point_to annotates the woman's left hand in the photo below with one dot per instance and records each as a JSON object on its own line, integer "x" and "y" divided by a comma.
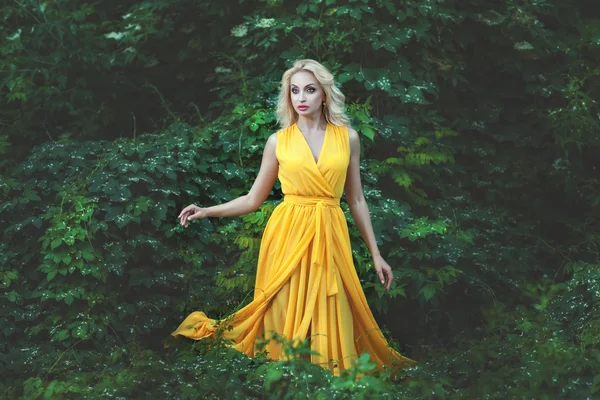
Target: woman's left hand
{"x": 384, "y": 271}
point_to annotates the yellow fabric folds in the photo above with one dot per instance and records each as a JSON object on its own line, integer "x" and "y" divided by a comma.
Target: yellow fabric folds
{"x": 306, "y": 283}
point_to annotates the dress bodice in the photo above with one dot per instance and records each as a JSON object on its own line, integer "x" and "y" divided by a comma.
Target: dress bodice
{"x": 300, "y": 175}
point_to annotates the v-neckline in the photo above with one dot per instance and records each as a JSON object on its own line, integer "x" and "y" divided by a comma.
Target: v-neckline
{"x": 312, "y": 156}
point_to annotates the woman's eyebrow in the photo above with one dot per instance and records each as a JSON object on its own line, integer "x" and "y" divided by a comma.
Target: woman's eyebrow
{"x": 306, "y": 84}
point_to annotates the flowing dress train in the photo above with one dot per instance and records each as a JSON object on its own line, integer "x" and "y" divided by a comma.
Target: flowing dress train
{"x": 306, "y": 283}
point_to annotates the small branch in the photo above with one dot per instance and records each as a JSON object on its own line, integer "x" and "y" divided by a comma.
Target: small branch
{"x": 61, "y": 356}
{"x": 134, "y": 126}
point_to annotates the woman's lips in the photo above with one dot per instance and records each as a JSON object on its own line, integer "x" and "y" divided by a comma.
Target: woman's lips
{"x": 302, "y": 108}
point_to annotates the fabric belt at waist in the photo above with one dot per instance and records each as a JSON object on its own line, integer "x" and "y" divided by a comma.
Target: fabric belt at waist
{"x": 311, "y": 200}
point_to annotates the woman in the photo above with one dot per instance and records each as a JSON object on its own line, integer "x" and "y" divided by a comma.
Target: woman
{"x": 306, "y": 283}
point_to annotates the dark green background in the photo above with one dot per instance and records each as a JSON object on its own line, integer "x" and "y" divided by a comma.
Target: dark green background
{"x": 481, "y": 166}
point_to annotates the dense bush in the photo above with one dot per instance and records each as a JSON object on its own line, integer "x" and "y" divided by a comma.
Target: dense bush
{"x": 480, "y": 137}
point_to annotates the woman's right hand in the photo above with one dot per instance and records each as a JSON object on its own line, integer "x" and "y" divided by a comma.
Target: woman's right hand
{"x": 191, "y": 212}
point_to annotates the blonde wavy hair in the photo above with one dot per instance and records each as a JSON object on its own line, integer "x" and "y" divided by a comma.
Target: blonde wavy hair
{"x": 333, "y": 109}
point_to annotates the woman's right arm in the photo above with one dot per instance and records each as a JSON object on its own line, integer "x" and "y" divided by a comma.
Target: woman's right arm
{"x": 244, "y": 204}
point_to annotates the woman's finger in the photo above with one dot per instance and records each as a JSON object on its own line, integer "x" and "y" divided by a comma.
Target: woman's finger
{"x": 187, "y": 210}
{"x": 184, "y": 211}
{"x": 380, "y": 276}
{"x": 390, "y": 278}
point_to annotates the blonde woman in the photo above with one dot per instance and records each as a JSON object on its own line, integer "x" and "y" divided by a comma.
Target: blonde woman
{"x": 306, "y": 283}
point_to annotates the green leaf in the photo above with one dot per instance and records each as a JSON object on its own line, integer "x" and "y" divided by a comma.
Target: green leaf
{"x": 48, "y": 393}
{"x": 55, "y": 243}
{"x": 368, "y": 131}
{"x": 88, "y": 256}
{"x": 390, "y": 7}
{"x": 428, "y": 291}
{"x": 62, "y": 335}
{"x": 274, "y": 375}
{"x": 11, "y": 296}
{"x": 413, "y": 95}
{"x": 51, "y": 275}
{"x": 345, "y": 77}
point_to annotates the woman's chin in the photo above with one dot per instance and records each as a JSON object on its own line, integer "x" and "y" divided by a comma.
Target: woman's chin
{"x": 305, "y": 113}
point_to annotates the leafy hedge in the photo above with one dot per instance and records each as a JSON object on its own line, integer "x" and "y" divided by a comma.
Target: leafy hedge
{"x": 479, "y": 126}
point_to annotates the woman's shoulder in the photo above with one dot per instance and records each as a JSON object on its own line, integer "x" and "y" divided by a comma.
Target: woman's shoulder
{"x": 348, "y": 130}
{"x": 272, "y": 139}
{"x": 352, "y": 138}
{"x": 275, "y": 136}
{"x": 283, "y": 131}
{"x": 351, "y": 132}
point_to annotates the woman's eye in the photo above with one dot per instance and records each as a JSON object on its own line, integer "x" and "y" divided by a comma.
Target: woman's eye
{"x": 310, "y": 90}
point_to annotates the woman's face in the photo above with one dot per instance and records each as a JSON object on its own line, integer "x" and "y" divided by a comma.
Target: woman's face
{"x": 306, "y": 93}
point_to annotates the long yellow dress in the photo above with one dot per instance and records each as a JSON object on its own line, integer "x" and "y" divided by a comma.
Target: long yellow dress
{"x": 306, "y": 283}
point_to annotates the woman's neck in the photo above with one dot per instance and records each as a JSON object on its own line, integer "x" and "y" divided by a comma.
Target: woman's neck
{"x": 307, "y": 124}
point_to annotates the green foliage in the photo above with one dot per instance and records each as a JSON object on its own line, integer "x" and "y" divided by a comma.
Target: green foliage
{"x": 480, "y": 171}
{"x": 97, "y": 258}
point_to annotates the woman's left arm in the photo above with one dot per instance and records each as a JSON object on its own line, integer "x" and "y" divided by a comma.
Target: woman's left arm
{"x": 360, "y": 210}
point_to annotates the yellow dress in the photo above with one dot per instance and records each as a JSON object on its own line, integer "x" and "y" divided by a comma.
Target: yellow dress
{"x": 306, "y": 283}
